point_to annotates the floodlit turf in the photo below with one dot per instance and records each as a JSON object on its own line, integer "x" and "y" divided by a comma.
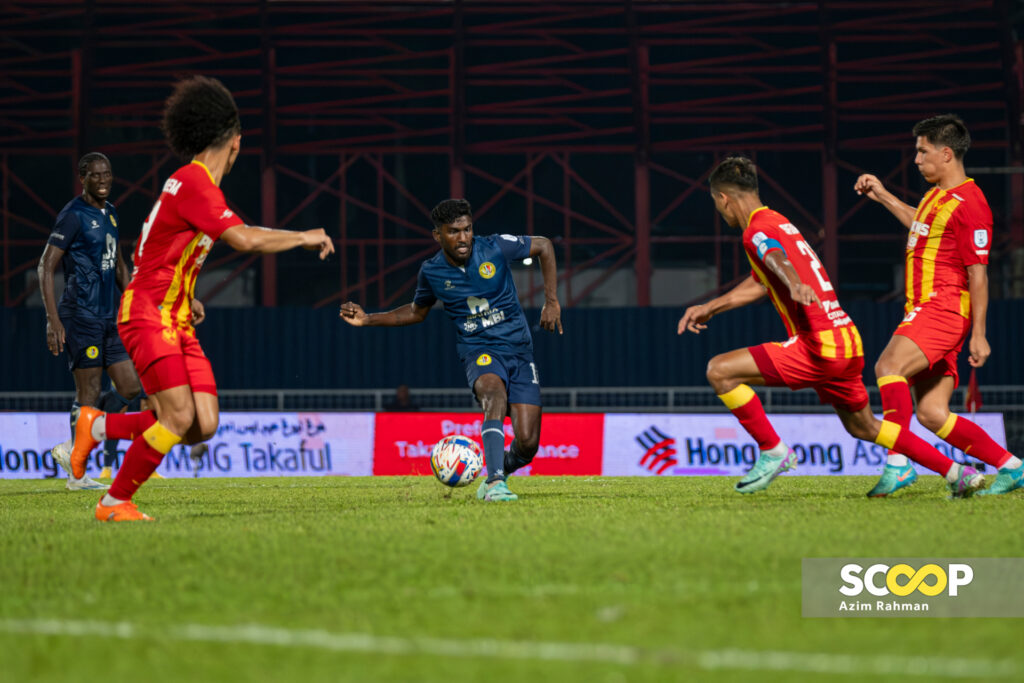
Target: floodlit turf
{"x": 589, "y": 579}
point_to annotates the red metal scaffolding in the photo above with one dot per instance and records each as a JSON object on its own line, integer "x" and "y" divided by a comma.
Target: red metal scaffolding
{"x": 592, "y": 122}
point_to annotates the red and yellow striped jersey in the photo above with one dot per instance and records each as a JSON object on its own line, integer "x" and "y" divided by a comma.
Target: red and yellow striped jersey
{"x": 952, "y": 229}
{"x": 827, "y": 327}
{"x": 186, "y": 220}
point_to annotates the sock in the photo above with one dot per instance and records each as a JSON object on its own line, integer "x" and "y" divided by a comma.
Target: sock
{"x": 141, "y": 460}
{"x": 747, "y": 408}
{"x": 493, "y": 437}
{"x": 897, "y": 406}
{"x": 896, "y": 459}
{"x": 514, "y": 458}
{"x": 112, "y": 402}
{"x": 972, "y": 440}
{"x": 128, "y": 426}
{"x": 898, "y": 438}
{"x": 75, "y": 407}
{"x": 954, "y": 473}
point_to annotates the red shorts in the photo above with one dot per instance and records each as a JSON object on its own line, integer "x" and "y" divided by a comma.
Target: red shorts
{"x": 795, "y": 364}
{"x": 166, "y": 357}
{"x": 939, "y": 330}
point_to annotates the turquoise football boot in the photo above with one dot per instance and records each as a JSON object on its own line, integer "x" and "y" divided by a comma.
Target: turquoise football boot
{"x": 1007, "y": 480}
{"x": 764, "y": 470}
{"x": 496, "y": 491}
{"x": 893, "y": 479}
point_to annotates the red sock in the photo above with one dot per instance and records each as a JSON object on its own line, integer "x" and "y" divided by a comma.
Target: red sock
{"x": 972, "y": 439}
{"x": 747, "y": 408}
{"x": 902, "y": 440}
{"x": 897, "y": 405}
{"x": 128, "y": 426}
{"x": 140, "y": 462}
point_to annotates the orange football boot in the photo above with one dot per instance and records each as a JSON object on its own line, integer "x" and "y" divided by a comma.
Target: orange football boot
{"x": 122, "y": 512}
{"x": 84, "y": 443}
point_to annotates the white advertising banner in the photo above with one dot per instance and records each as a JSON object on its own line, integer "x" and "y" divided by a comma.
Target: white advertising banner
{"x": 246, "y": 445}
{"x": 716, "y": 444}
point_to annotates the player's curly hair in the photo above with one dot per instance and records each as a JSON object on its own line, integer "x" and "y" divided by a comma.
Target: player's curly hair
{"x": 83, "y": 163}
{"x": 739, "y": 172}
{"x": 945, "y": 130}
{"x": 448, "y": 211}
{"x": 200, "y": 113}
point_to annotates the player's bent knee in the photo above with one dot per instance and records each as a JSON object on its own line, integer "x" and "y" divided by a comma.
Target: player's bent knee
{"x": 932, "y": 419}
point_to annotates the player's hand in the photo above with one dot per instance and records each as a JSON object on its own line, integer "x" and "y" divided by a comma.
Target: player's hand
{"x": 55, "y": 336}
{"x": 869, "y": 186}
{"x": 198, "y": 312}
{"x": 551, "y": 316}
{"x": 980, "y": 351}
{"x": 317, "y": 240}
{"x": 353, "y": 314}
{"x": 804, "y": 294}
{"x": 694, "y": 319}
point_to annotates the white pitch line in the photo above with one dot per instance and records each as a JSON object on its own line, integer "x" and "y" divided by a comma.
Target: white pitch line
{"x": 599, "y": 653}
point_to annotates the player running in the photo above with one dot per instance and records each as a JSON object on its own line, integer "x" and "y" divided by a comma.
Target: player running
{"x": 947, "y": 297}
{"x": 85, "y": 241}
{"x": 201, "y": 123}
{"x": 824, "y": 350}
{"x": 472, "y": 278}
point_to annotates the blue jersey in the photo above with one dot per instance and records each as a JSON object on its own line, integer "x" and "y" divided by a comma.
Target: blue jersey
{"x": 88, "y": 237}
{"x": 481, "y": 299}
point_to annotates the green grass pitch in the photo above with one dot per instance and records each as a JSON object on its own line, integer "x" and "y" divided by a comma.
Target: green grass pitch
{"x": 583, "y": 579}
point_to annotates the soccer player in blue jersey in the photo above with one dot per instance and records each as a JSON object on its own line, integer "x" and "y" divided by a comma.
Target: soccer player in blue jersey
{"x": 85, "y": 241}
{"x": 472, "y": 279}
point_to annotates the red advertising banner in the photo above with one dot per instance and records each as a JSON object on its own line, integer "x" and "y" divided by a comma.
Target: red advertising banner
{"x": 569, "y": 443}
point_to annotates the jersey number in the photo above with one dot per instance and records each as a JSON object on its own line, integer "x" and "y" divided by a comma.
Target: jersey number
{"x": 826, "y": 286}
{"x": 147, "y": 225}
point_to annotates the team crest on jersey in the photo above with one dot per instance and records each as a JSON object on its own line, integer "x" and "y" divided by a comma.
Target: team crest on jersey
{"x": 170, "y": 335}
{"x": 483, "y": 359}
{"x": 92, "y": 352}
{"x": 487, "y": 270}
{"x": 981, "y": 238}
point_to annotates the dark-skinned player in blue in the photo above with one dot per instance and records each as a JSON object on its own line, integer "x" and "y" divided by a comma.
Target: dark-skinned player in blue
{"x": 472, "y": 279}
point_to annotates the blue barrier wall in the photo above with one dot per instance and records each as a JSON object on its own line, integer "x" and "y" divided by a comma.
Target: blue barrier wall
{"x": 283, "y": 348}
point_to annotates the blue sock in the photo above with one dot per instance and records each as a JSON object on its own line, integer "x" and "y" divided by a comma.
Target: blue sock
{"x": 75, "y": 407}
{"x": 514, "y": 458}
{"x": 493, "y": 437}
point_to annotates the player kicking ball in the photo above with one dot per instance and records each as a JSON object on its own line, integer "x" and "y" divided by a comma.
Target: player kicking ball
{"x": 472, "y": 278}
{"x": 824, "y": 350}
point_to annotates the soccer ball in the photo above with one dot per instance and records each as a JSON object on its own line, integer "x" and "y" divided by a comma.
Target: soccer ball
{"x": 456, "y": 460}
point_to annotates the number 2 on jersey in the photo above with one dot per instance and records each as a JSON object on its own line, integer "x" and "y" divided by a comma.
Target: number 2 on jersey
{"x": 826, "y": 286}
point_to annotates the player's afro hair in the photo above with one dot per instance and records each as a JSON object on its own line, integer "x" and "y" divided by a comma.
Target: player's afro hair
{"x": 200, "y": 113}
{"x": 448, "y": 211}
{"x": 945, "y": 130}
{"x": 83, "y": 163}
{"x": 739, "y": 172}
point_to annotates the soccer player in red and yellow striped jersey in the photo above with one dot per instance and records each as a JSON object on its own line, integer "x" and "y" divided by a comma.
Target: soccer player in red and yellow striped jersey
{"x": 157, "y": 309}
{"x": 824, "y": 351}
{"x": 947, "y": 297}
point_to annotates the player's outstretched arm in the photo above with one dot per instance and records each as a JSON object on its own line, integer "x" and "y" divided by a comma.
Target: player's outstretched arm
{"x": 551, "y": 314}
{"x": 409, "y": 314}
{"x": 250, "y": 238}
{"x": 871, "y": 187}
{"x": 695, "y": 318}
{"x": 55, "y": 335}
{"x": 801, "y": 293}
{"x": 977, "y": 285}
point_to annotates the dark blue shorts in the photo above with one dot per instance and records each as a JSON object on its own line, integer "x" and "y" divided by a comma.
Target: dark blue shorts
{"x": 92, "y": 342}
{"x": 516, "y": 370}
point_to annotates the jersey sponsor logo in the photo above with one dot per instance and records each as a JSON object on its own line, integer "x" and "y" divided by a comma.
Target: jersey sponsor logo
{"x": 487, "y": 270}
{"x": 758, "y": 238}
{"x": 512, "y": 238}
{"x": 789, "y": 229}
{"x": 981, "y": 238}
{"x": 172, "y": 186}
{"x": 92, "y": 352}
{"x": 483, "y": 359}
{"x": 480, "y": 313}
{"x": 917, "y": 231}
{"x": 109, "y": 254}
{"x": 58, "y": 235}
{"x": 477, "y": 306}
{"x": 469, "y": 326}
{"x": 204, "y": 244}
